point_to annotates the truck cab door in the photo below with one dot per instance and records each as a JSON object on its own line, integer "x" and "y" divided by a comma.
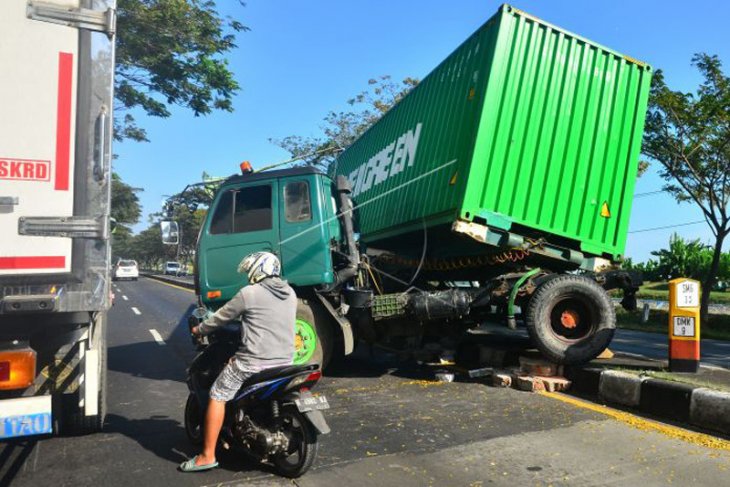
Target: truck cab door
{"x": 304, "y": 229}
{"x": 244, "y": 219}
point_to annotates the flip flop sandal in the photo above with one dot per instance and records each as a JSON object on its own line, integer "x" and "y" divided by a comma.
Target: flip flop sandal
{"x": 190, "y": 466}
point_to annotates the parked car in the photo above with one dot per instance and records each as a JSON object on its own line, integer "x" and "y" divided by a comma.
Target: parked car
{"x": 174, "y": 269}
{"x": 126, "y": 269}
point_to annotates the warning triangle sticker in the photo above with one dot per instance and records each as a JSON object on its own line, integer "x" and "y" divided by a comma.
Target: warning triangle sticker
{"x": 605, "y": 212}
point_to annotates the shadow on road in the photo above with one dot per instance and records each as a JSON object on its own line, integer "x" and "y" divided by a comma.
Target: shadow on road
{"x": 165, "y": 438}
{"x": 367, "y": 362}
{"x": 149, "y": 360}
{"x": 13, "y": 456}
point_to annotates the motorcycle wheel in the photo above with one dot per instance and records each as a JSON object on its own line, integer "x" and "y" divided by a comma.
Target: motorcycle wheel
{"x": 303, "y": 446}
{"x": 193, "y": 420}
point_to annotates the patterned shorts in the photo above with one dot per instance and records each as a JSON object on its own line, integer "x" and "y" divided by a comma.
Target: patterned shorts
{"x": 229, "y": 381}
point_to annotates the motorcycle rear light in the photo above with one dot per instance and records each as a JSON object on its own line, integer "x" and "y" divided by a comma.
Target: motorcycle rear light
{"x": 314, "y": 376}
{"x": 17, "y": 369}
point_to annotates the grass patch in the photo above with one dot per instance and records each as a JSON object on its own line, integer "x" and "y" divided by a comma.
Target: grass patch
{"x": 660, "y": 291}
{"x": 716, "y": 327}
{"x": 672, "y": 377}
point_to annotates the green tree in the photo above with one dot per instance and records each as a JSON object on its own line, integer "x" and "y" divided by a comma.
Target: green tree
{"x": 340, "y": 129}
{"x": 171, "y": 52}
{"x": 688, "y": 134}
{"x": 683, "y": 258}
{"x": 126, "y": 210}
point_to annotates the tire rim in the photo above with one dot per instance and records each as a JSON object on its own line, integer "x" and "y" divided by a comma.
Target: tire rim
{"x": 305, "y": 341}
{"x": 572, "y": 319}
{"x": 293, "y": 458}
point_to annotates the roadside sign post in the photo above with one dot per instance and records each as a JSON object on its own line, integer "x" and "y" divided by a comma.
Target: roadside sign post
{"x": 684, "y": 325}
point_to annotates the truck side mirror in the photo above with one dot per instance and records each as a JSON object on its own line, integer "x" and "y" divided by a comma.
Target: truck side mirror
{"x": 170, "y": 232}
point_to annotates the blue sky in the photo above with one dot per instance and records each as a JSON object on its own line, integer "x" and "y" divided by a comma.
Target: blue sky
{"x": 302, "y": 59}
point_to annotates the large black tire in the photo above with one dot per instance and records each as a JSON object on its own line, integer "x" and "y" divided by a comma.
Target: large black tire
{"x": 74, "y": 420}
{"x": 303, "y": 445}
{"x": 313, "y": 324}
{"x": 193, "y": 420}
{"x": 570, "y": 319}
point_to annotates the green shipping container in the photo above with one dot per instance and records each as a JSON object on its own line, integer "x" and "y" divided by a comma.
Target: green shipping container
{"x": 526, "y": 130}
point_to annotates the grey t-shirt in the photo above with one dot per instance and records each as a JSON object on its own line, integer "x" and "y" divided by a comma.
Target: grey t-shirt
{"x": 268, "y": 310}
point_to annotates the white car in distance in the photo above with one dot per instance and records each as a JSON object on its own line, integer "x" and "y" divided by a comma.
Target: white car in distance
{"x": 126, "y": 269}
{"x": 173, "y": 269}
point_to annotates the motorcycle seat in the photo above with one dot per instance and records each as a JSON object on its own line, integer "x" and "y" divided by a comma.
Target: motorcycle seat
{"x": 276, "y": 372}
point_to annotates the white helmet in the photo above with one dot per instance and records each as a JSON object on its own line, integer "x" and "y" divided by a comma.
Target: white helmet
{"x": 259, "y": 265}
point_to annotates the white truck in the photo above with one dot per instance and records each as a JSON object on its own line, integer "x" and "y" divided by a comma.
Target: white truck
{"x": 55, "y": 178}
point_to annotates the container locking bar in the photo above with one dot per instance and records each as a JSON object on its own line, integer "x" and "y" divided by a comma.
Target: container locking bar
{"x": 64, "y": 226}
{"x": 81, "y": 18}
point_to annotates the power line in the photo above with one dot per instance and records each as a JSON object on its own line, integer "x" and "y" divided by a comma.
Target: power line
{"x": 648, "y": 193}
{"x": 667, "y": 226}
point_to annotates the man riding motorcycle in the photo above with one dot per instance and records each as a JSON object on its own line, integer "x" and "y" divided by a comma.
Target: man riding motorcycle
{"x": 268, "y": 310}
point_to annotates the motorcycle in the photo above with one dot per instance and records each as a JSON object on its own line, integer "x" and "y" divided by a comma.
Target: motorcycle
{"x": 273, "y": 419}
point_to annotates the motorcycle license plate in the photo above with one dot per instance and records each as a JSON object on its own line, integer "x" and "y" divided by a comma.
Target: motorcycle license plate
{"x": 311, "y": 403}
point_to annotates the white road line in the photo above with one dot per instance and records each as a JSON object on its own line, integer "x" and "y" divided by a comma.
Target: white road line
{"x": 157, "y": 336}
{"x": 136, "y": 311}
{"x": 125, "y": 297}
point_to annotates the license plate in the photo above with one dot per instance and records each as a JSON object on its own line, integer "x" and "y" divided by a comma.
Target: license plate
{"x": 311, "y": 403}
{"x": 25, "y": 416}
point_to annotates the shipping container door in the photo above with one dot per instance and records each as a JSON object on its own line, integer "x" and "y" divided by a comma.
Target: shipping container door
{"x": 37, "y": 130}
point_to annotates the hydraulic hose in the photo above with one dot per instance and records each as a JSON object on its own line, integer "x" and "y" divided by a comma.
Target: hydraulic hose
{"x": 511, "y": 322}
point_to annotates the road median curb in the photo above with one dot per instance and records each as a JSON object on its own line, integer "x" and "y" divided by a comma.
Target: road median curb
{"x": 698, "y": 406}
{"x": 169, "y": 280}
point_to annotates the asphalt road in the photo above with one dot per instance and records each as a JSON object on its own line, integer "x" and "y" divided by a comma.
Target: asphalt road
{"x": 655, "y": 346}
{"x": 389, "y": 426}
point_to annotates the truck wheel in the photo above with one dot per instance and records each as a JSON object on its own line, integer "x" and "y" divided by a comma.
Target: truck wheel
{"x": 570, "y": 319}
{"x": 74, "y": 420}
{"x": 313, "y": 335}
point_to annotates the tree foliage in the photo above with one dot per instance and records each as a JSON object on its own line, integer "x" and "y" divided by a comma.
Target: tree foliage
{"x": 688, "y": 134}
{"x": 682, "y": 258}
{"x": 340, "y": 129}
{"x": 126, "y": 210}
{"x": 171, "y": 52}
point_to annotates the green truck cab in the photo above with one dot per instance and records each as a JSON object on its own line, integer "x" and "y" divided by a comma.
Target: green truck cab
{"x": 290, "y": 213}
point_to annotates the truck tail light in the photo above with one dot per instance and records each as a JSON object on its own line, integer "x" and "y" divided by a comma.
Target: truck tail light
{"x": 17, "y": 369}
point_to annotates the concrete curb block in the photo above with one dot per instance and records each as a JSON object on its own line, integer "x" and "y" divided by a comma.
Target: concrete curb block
{"x": 698, "y": 406}
{"x": 710, "y": 409}
{"x": 620, "y": 388}
{"x": 170, "y": 280}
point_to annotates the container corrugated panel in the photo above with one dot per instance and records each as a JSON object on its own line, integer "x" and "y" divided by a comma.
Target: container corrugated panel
{"x": 525, "y": 127}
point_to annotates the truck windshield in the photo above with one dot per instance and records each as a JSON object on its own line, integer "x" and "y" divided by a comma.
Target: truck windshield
{"x": 243, "y": 210}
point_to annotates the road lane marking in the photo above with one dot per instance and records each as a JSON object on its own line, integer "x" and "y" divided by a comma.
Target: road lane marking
{"x": 157, "y": 336}
{"x": 643, "y": 424}
{"x": 172, "y": 285}
{"x": 136, "y": 311}
{"x": 125, "y": 297}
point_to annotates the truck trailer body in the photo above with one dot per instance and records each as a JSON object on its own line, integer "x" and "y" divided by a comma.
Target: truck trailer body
{"x": 525, "y": 129}
{"x": 55, "y": 147}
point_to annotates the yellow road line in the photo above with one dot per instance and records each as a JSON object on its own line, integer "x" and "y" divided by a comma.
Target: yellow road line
{"x": 171, "y": 285}
{"x": 646, "y": 424}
